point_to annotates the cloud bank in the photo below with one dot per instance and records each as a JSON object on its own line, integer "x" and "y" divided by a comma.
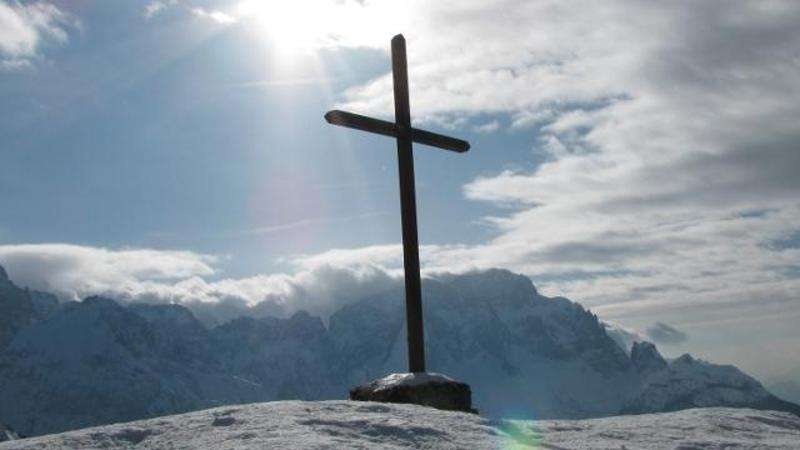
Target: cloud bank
{"x": 161, "y": 276}
{"x": 73, "y": 271}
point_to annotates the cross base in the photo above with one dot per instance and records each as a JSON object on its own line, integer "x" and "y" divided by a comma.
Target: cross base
{"x": 427, "y": 389}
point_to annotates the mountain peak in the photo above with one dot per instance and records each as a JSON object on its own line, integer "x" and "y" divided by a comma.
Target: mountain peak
{"x": 98, "y": 301}
{"x": 3, "y": 274}
{"x": 646, "y": 358}
{"x": 167, "y": 312}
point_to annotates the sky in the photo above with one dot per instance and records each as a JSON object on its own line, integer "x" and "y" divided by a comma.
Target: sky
{"x": 638, "y": 157}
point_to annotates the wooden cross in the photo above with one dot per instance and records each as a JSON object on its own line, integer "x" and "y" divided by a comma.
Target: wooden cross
{"x": 401, "y": 130}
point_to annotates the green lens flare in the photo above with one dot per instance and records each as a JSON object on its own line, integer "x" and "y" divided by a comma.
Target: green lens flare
{"x": 518, "y": 435}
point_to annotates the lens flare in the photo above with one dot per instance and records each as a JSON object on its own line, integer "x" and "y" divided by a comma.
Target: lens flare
{"x": 519, "y": 435}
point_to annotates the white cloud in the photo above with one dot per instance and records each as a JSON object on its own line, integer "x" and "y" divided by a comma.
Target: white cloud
{"x": 624, "y": 337}
{"x": 488, "y": 127}
{"x": 217, "y": 16}
{"x": 25, "y": 28}
{"x": 75, "y": 272}
{"x": 14, "y": 65}
{"x": 155, "y": 8}
{"x": 671, "y": 137}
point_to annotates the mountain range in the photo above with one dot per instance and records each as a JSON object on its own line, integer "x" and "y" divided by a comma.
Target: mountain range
{"x": 77, "y": 364}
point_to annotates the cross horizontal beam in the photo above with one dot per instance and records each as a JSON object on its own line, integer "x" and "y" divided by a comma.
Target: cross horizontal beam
{"x": 364, "y": 123}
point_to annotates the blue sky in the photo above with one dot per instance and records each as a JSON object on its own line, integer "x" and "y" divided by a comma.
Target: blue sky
{"x": 175, "y": 151}
{"x": 171, "y": 132}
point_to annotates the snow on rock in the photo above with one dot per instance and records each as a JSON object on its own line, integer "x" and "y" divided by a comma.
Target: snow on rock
{"x": 410, "y": 379}
{"x": 343, "y": 424}
{"x": 430, "y": 389}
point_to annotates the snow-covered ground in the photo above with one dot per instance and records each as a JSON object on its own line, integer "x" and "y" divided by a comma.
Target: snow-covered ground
{"x": 345, "y": 424}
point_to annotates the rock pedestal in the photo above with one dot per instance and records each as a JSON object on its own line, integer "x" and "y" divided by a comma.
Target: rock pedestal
{"x": 428, "y": 389}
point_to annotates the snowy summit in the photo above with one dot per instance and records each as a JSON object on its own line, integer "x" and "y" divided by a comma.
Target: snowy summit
{"x": 344, "y": 424}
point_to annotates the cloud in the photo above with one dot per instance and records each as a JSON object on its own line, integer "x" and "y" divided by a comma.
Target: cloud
{"x": 163, "y": 276}
{"x": 624, "y": 337}
{"x": 217, "y": 16}
{"x": 155, "y": 8}
{"x": 661, "y": 333}
{"x": 26, "y": 28}
{"x": 660, "y": 136}
{"x": 488, "y": 127}
{"x": 74, "y": 272}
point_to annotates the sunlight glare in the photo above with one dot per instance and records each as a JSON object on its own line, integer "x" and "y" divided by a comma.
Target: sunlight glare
{"x": 303, "y": 26}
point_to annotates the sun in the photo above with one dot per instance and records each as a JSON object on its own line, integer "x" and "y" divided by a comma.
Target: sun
{"x": 291, "y": 26}
{"x": 304, "y": 26}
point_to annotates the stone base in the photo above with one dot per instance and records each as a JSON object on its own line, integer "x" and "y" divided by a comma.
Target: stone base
{"x": 428, "y": 389}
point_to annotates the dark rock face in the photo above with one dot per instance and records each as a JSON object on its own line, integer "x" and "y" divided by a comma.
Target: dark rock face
{"x": 289, "y": 358}
{"x": 16, "y": 309}
{"x": 43, "y": 303}
{"x": 435, "y": 391}
{"x": 646, "y": 358}
{"x": 20, "y": 308}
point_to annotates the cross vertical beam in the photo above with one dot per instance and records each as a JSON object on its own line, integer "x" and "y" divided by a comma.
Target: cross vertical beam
{"x": 401, "y": 130}
{"x": 408, "y": 207}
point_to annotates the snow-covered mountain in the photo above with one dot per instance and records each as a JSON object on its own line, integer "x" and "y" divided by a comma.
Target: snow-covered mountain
{"x": 345, "y": 424}
{"x": 98, "y": 362}
{"x": 20, "y": 308}
{"x": 689, "y": 383}
{"x": 787, "y": 385}
{"x": 787, "y": 389}
{"x": 525, "y": 356}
